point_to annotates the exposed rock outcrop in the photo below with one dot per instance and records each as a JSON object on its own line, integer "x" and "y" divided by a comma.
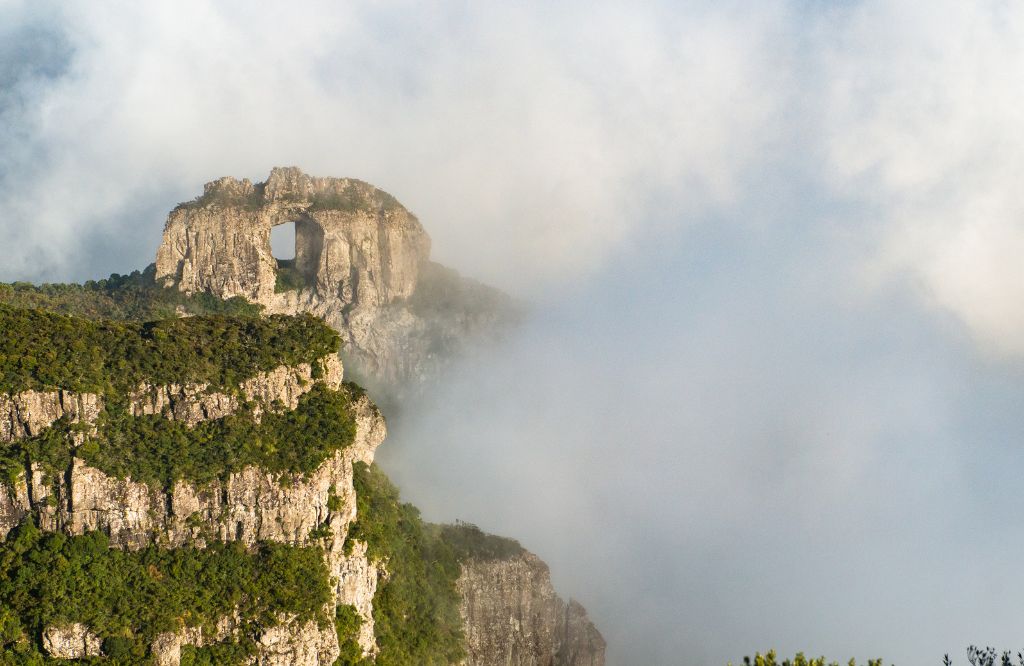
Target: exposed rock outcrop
{"x": 30, "y": 412}
{"x": 287, "y": 644}
{"x": 279, "y": 388}
{"x": 361, "y": 260}
{"x": 71, "y": 641}
{"x": 513, "y": 616}
{"x": 354, "y": 243}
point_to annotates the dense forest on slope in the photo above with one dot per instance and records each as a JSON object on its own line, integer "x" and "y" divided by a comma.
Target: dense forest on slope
{"x": 127, "y": 598}
{"x": 45, "y": 350}
{"x": 68, "y": 339}
{"x": 467, "y": 540}
{"x": 134, "y": 297}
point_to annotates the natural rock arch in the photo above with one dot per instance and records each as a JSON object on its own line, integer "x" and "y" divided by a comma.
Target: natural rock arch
{"x": 362, "y": 264}
{"x": 354, "y": 242}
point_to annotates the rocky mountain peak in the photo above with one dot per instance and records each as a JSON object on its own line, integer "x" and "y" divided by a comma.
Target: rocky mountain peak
{"x": 361, "y": 264}
{"x": 354, "y": 243}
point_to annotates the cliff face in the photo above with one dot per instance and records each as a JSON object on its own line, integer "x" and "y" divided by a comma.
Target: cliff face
{"x": 361, "y": 264}
{"x": 513, "y": 616}
{"x": 249, "y": 506}
{"x": 360, "y": 258}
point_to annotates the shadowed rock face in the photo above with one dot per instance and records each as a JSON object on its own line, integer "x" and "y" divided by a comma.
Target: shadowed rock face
{"x": 513, "y": 616}
{"x": 360, "y": 259}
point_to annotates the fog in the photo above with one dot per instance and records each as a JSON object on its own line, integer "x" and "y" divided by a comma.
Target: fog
{"x": 768, "y": 391}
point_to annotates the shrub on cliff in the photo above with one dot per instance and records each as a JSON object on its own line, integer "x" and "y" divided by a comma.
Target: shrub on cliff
{"x": 988, "y": 657}
{"x": 467, "y": 540}
{"x": 158, "y": 451}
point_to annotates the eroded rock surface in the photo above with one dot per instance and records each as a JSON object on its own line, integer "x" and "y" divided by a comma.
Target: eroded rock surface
{"x": 279, "y": 388}
{"x": 361, "y": 264}
{"x": 71, "y": 641}
{"x": 30, "y": 412}
{"x": 513, "y": 616}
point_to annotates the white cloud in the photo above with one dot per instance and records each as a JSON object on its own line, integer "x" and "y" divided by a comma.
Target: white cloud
{"x": 923, "y": 124}
{"x": 528, "y": 139}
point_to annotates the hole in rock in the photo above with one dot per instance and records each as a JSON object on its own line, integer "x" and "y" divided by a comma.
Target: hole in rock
{"x": 282, "y": 242}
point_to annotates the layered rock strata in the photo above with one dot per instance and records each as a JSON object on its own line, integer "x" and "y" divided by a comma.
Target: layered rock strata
{"x": 28, "y": 413}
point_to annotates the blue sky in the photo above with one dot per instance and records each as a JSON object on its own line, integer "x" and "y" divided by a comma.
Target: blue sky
{"x": 769, "y": 392}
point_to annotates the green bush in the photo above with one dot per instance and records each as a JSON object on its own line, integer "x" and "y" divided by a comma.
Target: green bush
{"x": 469, "y": 541}
{"x": 218, "y": 654}
{"x": 770, "y": 658}
{"x": 221, "y": 197}
{"x": 289, "y": 278}
{"x": 347, "y": 623}
{"x": 355, "y": 196}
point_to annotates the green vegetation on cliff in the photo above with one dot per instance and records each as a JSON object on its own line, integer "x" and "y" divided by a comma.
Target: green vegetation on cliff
{"x": 416, "y": 608}
{"x": 134, "y": 297}
{"x": 469, "y": 541}
{"x": 128, "y": 598}
{"x": 355, "y": 196}
{"x": 158, "y": 451}
{"x": 45, "y": 350}
{"x": 222, "y": 196}
{"x": 347, "y": 623}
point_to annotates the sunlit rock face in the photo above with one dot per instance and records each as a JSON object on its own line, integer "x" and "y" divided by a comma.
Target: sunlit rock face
{"x": 71, "y": 641}
{"x": 361, "y": 263}
{"x": 354, "y": 243}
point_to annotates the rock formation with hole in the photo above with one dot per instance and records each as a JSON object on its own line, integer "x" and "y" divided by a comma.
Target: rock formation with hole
{"x": 361, "y": 263}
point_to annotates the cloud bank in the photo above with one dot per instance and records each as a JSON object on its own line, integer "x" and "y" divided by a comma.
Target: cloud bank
{"x": 922, "y": 114}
